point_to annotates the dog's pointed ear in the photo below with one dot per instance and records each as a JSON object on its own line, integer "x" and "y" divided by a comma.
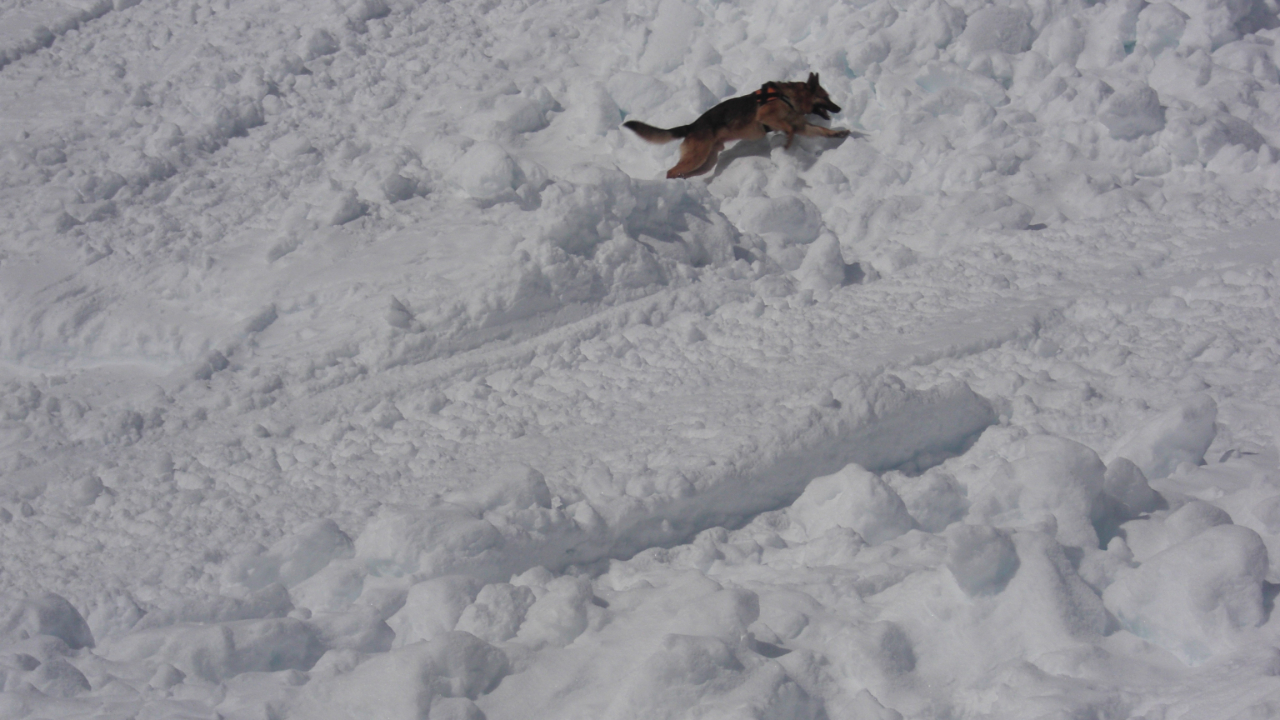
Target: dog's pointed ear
{"x": 813, "y": 79}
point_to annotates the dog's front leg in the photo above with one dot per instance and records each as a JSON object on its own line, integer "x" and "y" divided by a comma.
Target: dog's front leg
{"x": 819, "y": 131}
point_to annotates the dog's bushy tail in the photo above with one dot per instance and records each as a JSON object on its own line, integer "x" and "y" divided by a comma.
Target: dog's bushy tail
{"x": 652, "y": 134}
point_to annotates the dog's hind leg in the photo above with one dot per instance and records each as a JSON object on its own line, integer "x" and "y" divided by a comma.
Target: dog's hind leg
{"x": 694, "y": 153}
{"x": 710, "y": 163}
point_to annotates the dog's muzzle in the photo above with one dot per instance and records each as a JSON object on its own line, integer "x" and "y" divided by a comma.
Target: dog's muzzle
{"x": 821, "y": 110}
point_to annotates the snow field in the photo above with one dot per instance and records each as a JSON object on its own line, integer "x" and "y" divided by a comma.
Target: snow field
{"x": 354, "y": 363}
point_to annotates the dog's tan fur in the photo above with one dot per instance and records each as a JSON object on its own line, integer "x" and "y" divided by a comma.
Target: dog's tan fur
{"x": 779, "y": 106}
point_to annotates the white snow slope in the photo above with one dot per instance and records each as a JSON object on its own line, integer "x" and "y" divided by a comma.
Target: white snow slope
{"x": 356, "y": 363}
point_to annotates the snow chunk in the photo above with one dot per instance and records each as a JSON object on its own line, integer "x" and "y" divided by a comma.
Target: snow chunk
{"x": 980, "y": 558}
{"x": 998, "y": 28}
{"x": 1132, "y": 113}
{"x": 58, "y": 678}
{"x": 320, "y": 43}
{"x": 291, "y": 145}
{"x": 635, "y": 93}
{"x": 1212, "y": 23}
{"x": 936, "y": 77}
{"x": 433, "y": 541}
{"x": 1181, "y": 434}
{"x": 1046, "y": 603}
{"x": 114, "y": 613}
{"x": 559, "y": 615}
{"x": 852, "y": 498}
{"x": 515, "y": 486}
{"x": 823, "y": 267}
{"x": 1150, "y": 536}
{"x": 1160, "y": 26}
{"x": 934, "y": 499}
{"x": 432, "y": 608}
{"x": 219, "y": 651}
{"x": 671, "y": 37}
{"x": 407, "y": 682}
{"x": 1193, "y": 598}
{"x": 497, "y": 612}
{"x": 689, "y": 676}
{"x": 1125, "y": 483}
{"x": 271, "y": 601}
{"x": 293, "y": 559}
{"x": 1055, "y": 476}
{"x": 485, "y": 171}
{"x": 47, "y": 614}
{"x": 793, "y": 218}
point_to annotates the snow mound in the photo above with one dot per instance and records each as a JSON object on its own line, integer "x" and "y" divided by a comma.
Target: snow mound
{"x": 1195, "y": 598}
{"x": 980, "y": 558}
{"x": 423, "y": 679}
{"x": 1054, "y": 477}
{"x": 1180, "y": 434}
{"x": 432, "y": 608}
{"x": 852, "y": 498}
{"x": 46, "y": 614}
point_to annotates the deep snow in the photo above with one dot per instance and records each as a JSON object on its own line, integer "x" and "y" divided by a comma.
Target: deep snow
{"x": 357, "y": 364}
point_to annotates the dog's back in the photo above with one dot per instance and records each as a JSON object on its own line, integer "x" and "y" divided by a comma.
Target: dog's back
{"x": 729, "y": 115}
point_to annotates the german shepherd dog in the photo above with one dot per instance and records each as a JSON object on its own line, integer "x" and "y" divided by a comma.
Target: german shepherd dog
{"x": 780, "y": 106}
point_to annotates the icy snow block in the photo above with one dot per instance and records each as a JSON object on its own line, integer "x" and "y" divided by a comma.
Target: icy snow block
{"x": 432, "y": 608}
{"x": 1151, "y": 536}
{"x": 980, "y": 558}
{"x": 1212, "y": 23}
{"x": 1160, "y": 26}
{"x": 215, "y": 652}
{"x": 793, "y": 218}
{"x": 934, "y": 499}
{"x": 485, "y": 171}
{"x": 270, "y": 601}
{"x": 670, "y": 37}
{"x": 497, "y": 612}
{"x": 360, "y": 629}
{"x": 722, "y": 613}
{"x": 515, "y": 486}
{"x": 58, "y": 678}
{"x": 404, "y": 683}
{"x": 333, "y": 589}
{"x": 1063, "y": 478}
{"x": 559, "y": 615}
{"x": 1195, "y": 597}
{"x": 307, "y": 551}
{"x": 293, "y": 558}
{"x": 1004, "y": 29}
{"x": 1125, "y": 483}
{"x": 47, "y": 614}
{"x": 1046, "y": 602}
{"x": 823, "y": 267}
{"x": 439, "y": 540}
{"x": 1181, "y": 434}
{"x": 695, "y": 676}
{"x": 114, "y": 613}
{"x": 852, "y": 498}
{"x": 1130, "y": 114}
{"x": 635, "y": 93}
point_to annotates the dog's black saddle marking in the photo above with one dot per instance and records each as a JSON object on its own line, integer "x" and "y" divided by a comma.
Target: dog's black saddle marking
{"x": 769, "y": 91}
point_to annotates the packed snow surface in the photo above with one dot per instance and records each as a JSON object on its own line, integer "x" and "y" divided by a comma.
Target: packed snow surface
{"x": 356, "y": 363}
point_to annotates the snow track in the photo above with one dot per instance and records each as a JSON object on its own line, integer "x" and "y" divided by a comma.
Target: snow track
{"x": 33, "y": 26}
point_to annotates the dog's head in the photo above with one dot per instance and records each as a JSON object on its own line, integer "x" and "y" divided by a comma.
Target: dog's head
{"x": 819, "y": 101}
